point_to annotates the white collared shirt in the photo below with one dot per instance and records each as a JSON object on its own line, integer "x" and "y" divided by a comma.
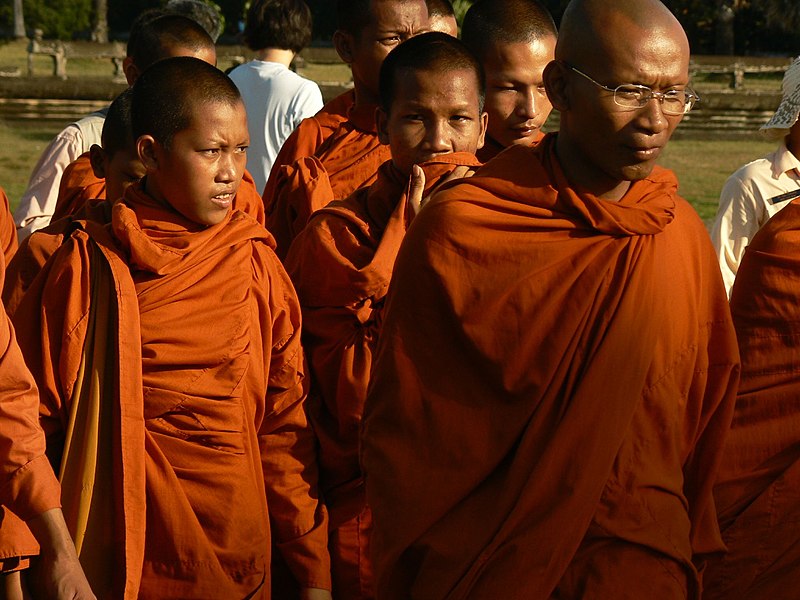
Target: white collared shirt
{"x": 749, "y": 198}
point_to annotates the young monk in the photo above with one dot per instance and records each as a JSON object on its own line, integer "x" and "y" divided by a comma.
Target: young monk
{"x": 115, "y": 166}
{"x": 514, "y": 40}
{"x": 442, "y": 17}
{"x": 557, "y": 365}
{"x": 183, "y": 453}
{"x": 341, "y": 264}
{"x": 758, "y": 489}
{"x": 153, "y": 36}
{"x": 351, "y": 153}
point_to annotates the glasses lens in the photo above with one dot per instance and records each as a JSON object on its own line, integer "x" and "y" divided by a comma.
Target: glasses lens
{"x": 631, "y": 96}
{"x": 676, "y": 103}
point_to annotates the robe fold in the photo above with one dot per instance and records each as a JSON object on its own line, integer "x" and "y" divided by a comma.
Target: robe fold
{"x": 78, "y": 185}
{"x": 550, "y": 392}
{"x": 28, "y": 486}
{"x": 309, "y": 135}
{"x": 492, "y": 148}
{"x": 211, "y": 453}
{"x": 758, "y": 489}
{"x": 348, "y": 158}
{"x": 8, "y": 230}
{"x": 341, "y": 264}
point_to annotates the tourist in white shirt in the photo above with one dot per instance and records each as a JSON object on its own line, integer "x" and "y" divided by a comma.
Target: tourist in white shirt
{"x": 276, "y": 98}
{"x": 761, "y": 188}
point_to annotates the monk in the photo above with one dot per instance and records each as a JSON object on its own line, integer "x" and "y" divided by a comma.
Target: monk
{"x": 514, "y": 40}
{"x": 758, "y": 488}
{"x": 8, "y": 233}
{"x": 154, "y": 35}
{"x": 442, "y": 17}
{"x": 174, "y": 405}
{"x": 350, "y": 155}
{"x": 114, "y": 166}
{"x": 341, "y": 264}
{"x": 557, "y": 365}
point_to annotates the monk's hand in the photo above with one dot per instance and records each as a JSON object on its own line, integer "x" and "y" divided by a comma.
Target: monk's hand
{"x": 57, "y": 573}
{"x": 417, "y": 187}
{"x": 314, "y": 594}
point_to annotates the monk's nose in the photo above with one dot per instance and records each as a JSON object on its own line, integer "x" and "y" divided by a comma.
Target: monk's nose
{"x": 527, "y": 103}
{"x": 227, "y": 168}
{"x": 652, "y": 116}
{"x": 437, "y": 138}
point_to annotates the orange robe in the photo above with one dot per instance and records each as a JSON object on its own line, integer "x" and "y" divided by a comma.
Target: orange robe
{"x": 28, "y": 486}
{"x": 309, "y": 135}
{"x": 346, "y": 160}
{"x": 341, "y": 264}
{"x": 78, "y": 185}
{"x": 758, "y": 489}
{"x": 209, "y": 452}
{"x": 8, "y": 230}
{"x": 550, "y": 392}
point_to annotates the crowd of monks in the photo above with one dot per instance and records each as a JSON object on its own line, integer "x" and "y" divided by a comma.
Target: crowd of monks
{"x": 442, "y": 355}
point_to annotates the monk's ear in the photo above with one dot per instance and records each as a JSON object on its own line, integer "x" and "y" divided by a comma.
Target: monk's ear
{"x": 484, "y": 125}
{"x": 147, "y": 149}
{"x": 555, "y": 82}
{"x": 97, "y": 158}
{"x": 131, "y": 70}
{"x": 344, "y": 43}
{"x": 382, "y": 122}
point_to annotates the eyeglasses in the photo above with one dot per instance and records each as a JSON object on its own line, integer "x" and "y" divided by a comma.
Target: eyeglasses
{"x": 633, "y": 96}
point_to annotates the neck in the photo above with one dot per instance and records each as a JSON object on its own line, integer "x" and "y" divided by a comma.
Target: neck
{"x": 584, "y": 176}
{"x": 276, "y": 55}
{"x": 793, "y": 140}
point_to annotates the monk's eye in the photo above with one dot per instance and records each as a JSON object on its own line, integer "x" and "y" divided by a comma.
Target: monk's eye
{"x": 461, "y": 118}
{"x": 390, "y": 40}
{"x": 541, "y": 89}
{"x": 241, "y": 149}
{"x": 413, "y": 117}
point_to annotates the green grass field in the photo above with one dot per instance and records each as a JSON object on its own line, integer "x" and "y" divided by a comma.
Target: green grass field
{"x": 701, "y": 166}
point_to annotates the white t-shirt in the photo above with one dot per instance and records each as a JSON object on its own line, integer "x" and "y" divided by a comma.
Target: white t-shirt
{"x": 276, "y": 99}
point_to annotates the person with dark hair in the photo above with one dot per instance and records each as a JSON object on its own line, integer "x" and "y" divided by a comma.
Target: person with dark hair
{"x": 442, "y": 17}
{"x": 514, "y": 39}
{"x": 345, "y": 149}
{"x": 276, "y": 98}
{"x": 557, "y": 366}
{"x": 175, "y": 405}
{"x": 205, "y": 13}
{"x": 341, "y": 264}
{"x": 154, "y": 35}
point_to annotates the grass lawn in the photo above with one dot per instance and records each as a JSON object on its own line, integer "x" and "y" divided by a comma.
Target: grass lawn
{"x": 701, "y": 166}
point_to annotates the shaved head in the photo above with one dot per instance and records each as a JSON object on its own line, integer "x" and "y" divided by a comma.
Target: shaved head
{"x": 117, "y": 131}
{"x": 440, "y": 8}
{"x": 592, "y": 31}
{"x": 353, "y": 15}
{"x": 166, "y": 96}
{"x": 603, "y": 145}
{"x": 491, "y": 22}
{"x": 157, "y": 37}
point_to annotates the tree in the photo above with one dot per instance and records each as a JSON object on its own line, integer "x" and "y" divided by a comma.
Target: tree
{"x": 782, "y": 14}
{"x": 19, "y": 20}
{"x": 100, "y": 29}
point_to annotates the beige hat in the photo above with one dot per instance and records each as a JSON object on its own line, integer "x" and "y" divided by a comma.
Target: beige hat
{"x": 786, "y": 115}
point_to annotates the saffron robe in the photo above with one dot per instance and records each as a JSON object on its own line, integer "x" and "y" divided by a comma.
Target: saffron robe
{"x": 211, "y": 452}
{"x": 28, "y": 486}
{"x": 550, "y": 392}
{"x": 309, "y": 135}
{"x": 80, "y": 202}
{"x": 346, "y": 160}
{"x": 8, "y": 230}
{"x": 341, "y": 265}
{"x": 78, "y": 185}
{"x": 758, "y": 489}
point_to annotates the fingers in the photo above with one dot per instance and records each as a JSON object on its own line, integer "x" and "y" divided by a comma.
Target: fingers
{"x": 416, "y": 188}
